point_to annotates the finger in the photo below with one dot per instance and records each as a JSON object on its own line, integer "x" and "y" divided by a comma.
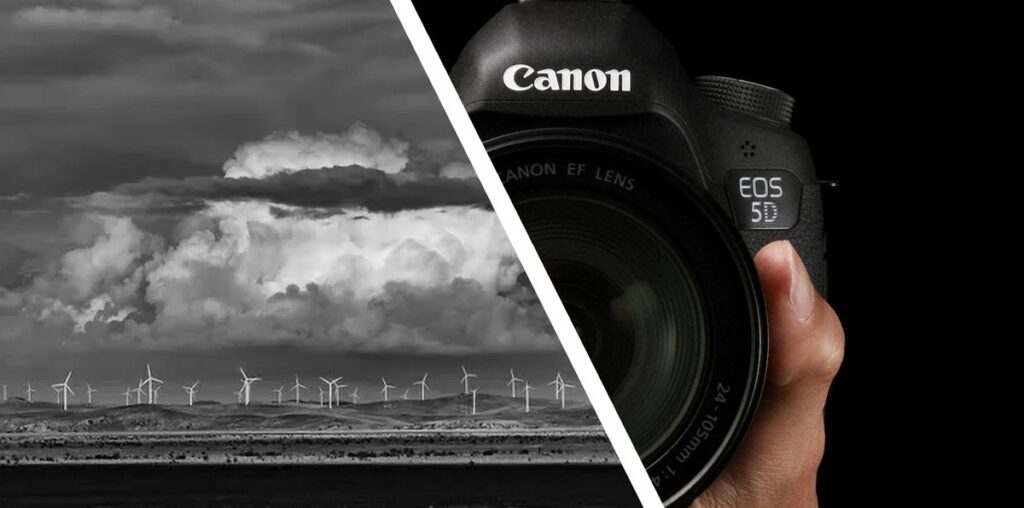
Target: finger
{"x": 778, "y": 460}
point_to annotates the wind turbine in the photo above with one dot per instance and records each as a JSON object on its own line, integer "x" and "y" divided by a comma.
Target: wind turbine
{"x": 405, "y": 396}
{"x": 149, "y": 381}
{"x": 28, "y": 392}
{"x": 279, "y": 391}
{"x": 138, "y": 392}
{"x": 156, "y": 395}
{"x": 63, "y": 389}
{"x": 247, "y": 384}
{"x": 512, "y": 382}
{"x": 238, "y": 394}
{"x": 564, "y": 386}
{"x": 191, "y": 391}
{"x": 127, "y": 396}
{"x": 337, "y": 391}
{"x": 385, "y": 389}
{"x": 423, "y": 386}
{"x": 321, "y": 396}
{"x": 355, "y": 395}
{"x": 558, "y": 384}
{"x": 89, "y": 391}
{"x": 526, "y": 391}
{"x": 466, "y": 376}
{"x": 56, "y": 391}
{"x": 330, "y": 390}
{"x": 474, "y": 399}
{"x": 299, "y": 386}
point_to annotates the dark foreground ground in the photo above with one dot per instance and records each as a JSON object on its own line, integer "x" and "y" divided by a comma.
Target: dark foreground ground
{"x": 273, "y": 485}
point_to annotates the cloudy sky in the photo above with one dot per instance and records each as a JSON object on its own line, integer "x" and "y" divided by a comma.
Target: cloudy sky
{"x": 204, "y": 184}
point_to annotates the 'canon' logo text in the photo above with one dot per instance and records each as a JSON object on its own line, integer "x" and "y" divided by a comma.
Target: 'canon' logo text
{"x": 522, "y": 77}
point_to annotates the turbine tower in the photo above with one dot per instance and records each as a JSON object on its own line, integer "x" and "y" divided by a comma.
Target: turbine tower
{"x": 62, "y": 391}
{"x": 5, "y": 393}
{"x": 247, "y": 384}
{"x": 156, "y": 395}
{"x": 191, "y": 390}
{"x": 423, "y": 386}
{"x": 29, "y": 391}
{"x": 385, "y": 389}
{"x": 279, "y": 391}
{"x": 474, "y": 399}
{"x": 526, "y": 391}
{"x": 149, "y": 381}
{"x": 321, "y": 395}
{"x": 564, "y": 386}
{"x": 127, "y": 396}
{"x": 512, "y": 382}
{"x": 466, "y": 376}
{"x": 89, "y": 390}
{"x": 138, "y": 392}
{"x": 355, "y": 395}
{"x": 299, "y": 386}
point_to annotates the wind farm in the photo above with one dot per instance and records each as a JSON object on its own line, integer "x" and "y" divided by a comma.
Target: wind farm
{"x": 478, "y": 418}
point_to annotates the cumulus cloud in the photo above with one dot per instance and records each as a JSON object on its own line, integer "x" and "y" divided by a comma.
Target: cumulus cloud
{"x": 287, "y": 248}
{"x": 428, "y": 280}
{"x": 288, "y": 152}
{"x": 458, "y": 170}
{"x": 112, "y": 254}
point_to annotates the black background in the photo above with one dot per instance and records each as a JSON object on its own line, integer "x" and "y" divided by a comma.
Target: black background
{"x": 914, "y": 111}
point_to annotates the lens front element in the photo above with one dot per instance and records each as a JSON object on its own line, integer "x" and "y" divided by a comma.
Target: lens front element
{"x": 633, "y": 301}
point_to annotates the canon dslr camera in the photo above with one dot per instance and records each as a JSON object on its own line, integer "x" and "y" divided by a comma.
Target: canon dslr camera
{"x": 645, "y": 193}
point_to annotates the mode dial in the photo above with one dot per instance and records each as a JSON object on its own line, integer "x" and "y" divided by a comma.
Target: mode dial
{"x": 748, "y": 97}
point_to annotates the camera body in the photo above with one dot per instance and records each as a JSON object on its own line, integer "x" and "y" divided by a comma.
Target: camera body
{"x": 588, "y": 97}
{"x": 601, "y": 67}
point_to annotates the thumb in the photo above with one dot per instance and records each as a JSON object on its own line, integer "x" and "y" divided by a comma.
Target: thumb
{"x": 777, "y": 463}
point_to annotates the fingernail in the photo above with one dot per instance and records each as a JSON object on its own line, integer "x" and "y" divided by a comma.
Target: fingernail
{"x": 801, "y": 291}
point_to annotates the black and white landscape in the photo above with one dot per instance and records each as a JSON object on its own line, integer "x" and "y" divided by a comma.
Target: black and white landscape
{"x": 239, "y": 232}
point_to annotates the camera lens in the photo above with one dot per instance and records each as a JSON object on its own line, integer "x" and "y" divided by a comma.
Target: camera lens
{"x": 633, "y": 300}
{"x": 659, "y": 285}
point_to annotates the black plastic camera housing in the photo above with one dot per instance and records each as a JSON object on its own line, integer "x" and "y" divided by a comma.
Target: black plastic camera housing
{"x": 587, "y": 97}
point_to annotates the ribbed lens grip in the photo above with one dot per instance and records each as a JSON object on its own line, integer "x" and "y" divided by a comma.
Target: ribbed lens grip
{"x": 748, "y": 97}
